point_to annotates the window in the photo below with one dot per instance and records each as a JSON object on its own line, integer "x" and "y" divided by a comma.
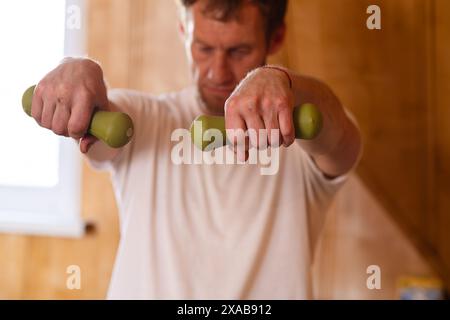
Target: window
{"x": 39, "y": 171}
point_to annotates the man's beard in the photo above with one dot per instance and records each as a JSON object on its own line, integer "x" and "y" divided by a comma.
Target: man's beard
{"x": 214, "y": 104}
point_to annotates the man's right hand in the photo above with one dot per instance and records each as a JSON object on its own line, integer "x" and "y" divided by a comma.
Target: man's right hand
{"x": 65, "y": 99}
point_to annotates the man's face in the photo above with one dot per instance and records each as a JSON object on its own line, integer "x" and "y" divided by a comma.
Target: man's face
{"x": 221, "y": 53}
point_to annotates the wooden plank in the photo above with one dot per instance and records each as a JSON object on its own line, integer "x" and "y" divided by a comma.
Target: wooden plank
{"x": 163, "y": 64}
{"x": 109, "y": 37}
{"x": 442, "y": 129}
{"x": 385, "y": 77}
{"x": 380, "y": 77}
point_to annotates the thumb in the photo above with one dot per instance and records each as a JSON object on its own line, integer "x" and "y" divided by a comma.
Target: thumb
{"x": 86, "y": 142}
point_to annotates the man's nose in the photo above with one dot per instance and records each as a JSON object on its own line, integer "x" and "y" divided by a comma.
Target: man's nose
{"x": 220, "y": 72}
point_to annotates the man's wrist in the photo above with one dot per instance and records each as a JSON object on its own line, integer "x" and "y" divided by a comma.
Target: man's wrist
{"x": 281, "y": 70}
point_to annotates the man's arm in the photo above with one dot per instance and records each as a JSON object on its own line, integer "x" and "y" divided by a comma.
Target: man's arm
{"x": 336, "y": 149}
{"x": 266, "y": 98}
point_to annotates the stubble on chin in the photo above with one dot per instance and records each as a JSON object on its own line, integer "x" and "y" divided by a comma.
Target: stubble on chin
{"x": 214, "y": 105}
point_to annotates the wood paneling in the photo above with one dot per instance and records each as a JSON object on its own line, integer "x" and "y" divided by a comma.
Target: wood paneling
{"x": 442, "y": 131}
{"x": 108, "y": 40}
{"x": 160, "y": 64}
{"x": 35, "y": 267}
{"x": 138, "y": 44}
{"x": 387, "y": 79}
{"x": 380, "y": 75}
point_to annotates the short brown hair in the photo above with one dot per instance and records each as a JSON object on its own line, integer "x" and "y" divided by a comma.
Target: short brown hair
{"x": 272, "y": 10}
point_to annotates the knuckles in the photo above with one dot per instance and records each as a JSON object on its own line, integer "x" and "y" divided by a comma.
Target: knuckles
{"x": 61, "y": 95}
{"x": 266, "y": 108}
{"x": 252, "y": 105}
{"x": 230, "y": 106}
{"x": 40, "y": 88}
{"x": 59, "y": 129}
{"x": 56, "y": 92}
{"x": 85, "y": 96}
{"x": 46, "y": 124}
{"x": 76, "y": 129}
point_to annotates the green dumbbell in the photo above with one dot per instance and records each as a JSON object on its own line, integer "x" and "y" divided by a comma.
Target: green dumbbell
{"x": 113, "y": 128}
{"x": 307, "y": 123}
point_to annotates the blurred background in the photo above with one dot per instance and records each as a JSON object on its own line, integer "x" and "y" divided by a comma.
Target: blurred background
{"x": 393, "y": 213}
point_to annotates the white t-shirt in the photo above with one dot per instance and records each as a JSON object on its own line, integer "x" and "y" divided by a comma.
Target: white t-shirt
{"x": 209, "y": 231}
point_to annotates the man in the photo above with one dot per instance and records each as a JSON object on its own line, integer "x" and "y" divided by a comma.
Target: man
{"x": 212, "y": 231}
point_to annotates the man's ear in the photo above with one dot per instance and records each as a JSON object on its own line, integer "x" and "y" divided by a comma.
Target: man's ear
{"x": 277, "y": 39}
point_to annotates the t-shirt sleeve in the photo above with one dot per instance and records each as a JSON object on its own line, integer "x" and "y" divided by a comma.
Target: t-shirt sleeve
{"x": 320, "y": 191}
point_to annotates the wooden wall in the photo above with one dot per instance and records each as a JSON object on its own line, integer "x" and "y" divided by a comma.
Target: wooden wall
{"x": 35, "y": 267}
{"x": 138, "y": 44}
{"x": 394, "y": 80}
{"x": 441, "y": 133}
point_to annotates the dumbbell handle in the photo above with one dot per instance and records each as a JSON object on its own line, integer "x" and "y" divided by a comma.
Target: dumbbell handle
{"x": 307, "y": 123}
{"x": 113, "y": 128}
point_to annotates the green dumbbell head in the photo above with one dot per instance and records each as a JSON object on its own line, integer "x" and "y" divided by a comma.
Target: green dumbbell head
{"x": 114, "y": 128}
{"x": 308, "y": 121}
{"x": 27, "y": 98}
{"x": 200, "y": 127}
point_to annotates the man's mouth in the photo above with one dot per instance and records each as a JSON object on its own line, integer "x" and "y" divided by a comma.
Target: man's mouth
{"x": 222, "y": 91}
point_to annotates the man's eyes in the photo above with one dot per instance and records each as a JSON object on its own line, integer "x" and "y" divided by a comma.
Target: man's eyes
{"x": 237, "y": 52}
{"x": 206, "y": 49}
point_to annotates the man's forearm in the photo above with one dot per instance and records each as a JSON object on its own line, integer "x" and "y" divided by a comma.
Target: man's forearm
{"x": 336, "y": 148}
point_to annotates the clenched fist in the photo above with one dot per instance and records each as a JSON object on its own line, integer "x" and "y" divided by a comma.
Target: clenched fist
{"x": 262, "y": 101}
{"x": 65, "y": 99}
